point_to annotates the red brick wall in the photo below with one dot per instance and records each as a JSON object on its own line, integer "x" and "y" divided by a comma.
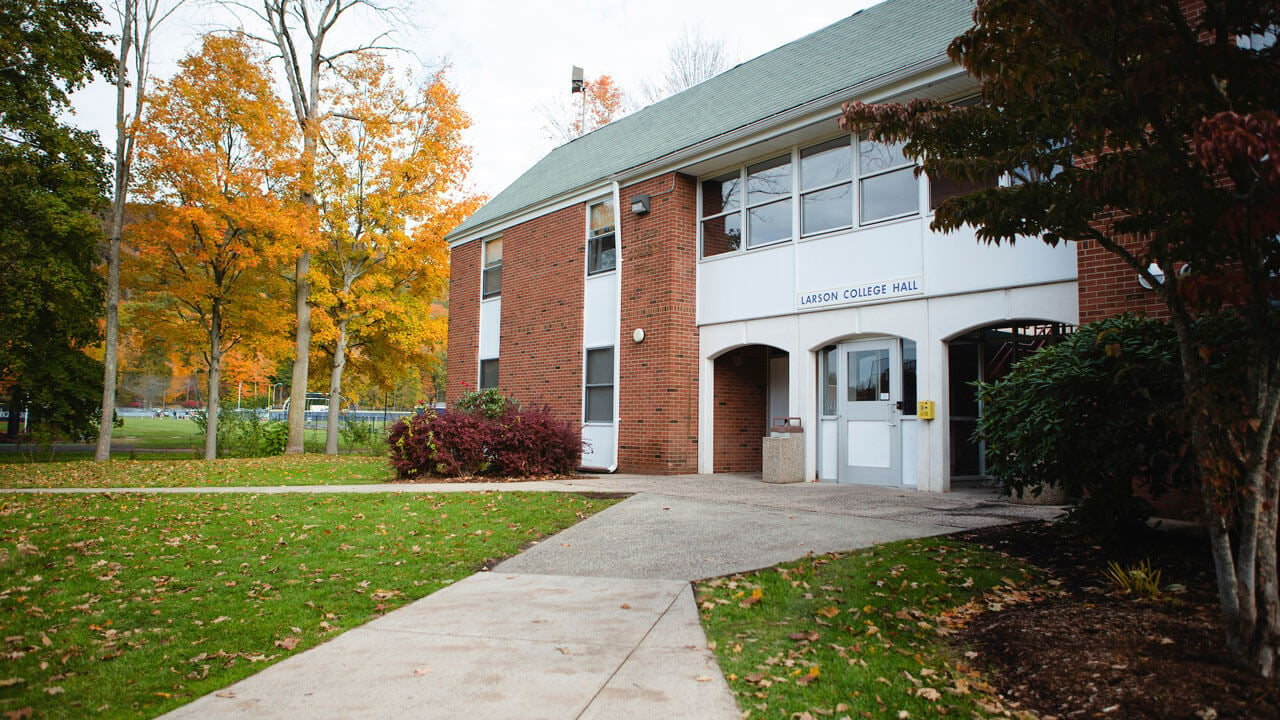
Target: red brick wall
{"x": 1108, "y": 286}
{"x": 741, "y": 379}
{"x": 659, "y": 377}
{"x": 542, "y": 281}
{"x": 464, "y": 320}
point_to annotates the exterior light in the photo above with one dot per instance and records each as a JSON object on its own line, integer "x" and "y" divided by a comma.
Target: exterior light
{"x": 640, "y": 204}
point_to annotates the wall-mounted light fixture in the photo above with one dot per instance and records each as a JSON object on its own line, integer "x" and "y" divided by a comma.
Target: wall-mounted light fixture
{"x": 1156, "y": 273}
{"x": 640, "y": 204}
{"x": 638, "y": 335}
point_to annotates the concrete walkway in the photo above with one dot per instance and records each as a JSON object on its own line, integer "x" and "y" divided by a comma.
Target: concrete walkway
{"x": 598, "y": 621}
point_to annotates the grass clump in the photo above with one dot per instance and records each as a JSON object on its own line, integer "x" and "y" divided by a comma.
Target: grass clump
{"x": 1139, "y": 579}
{"x": 126, "y": 606}
{"x": 859, "y": 634}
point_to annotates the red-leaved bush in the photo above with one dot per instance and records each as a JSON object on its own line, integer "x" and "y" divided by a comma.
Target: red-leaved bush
{"x": 532, "y": 441}
{"x": 519, "y": 442}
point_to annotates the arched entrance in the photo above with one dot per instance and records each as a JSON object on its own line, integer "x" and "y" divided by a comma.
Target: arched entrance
{"x": 750, "y": 387}
{"x": 985, "y": 354}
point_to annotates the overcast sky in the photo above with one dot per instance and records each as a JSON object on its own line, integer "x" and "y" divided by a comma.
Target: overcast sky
{"x": 509, "y": 57}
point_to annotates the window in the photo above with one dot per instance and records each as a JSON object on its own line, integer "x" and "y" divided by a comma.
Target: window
{"x": 826, "y": 184}
{"x": 755, "y": 203}
{"x": 599, "y": 386}
{"x": 488, "y": 374}
{"x": 769, "y": 202}
{"x": 830, "y": 383}
{"x": 602, "y": 253}
{"x": 491, "y": 282}
{"x": 909, "y": 395}
{"x": 721, "y": 210}
{"x": 887, "y": 185}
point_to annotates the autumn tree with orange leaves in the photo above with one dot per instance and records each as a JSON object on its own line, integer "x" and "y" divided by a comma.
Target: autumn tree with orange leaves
{"x": 390, "y": 186}
{"x": 216, "y": 163}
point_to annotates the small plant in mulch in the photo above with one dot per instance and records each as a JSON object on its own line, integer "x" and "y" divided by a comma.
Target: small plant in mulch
{"x": 482, "y": 437}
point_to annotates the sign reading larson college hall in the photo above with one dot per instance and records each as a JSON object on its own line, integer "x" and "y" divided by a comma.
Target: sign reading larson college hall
{"x": 854, "y": 294}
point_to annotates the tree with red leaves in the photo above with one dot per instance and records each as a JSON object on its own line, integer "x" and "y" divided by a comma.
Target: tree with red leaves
{"x": 1149, "y": 128}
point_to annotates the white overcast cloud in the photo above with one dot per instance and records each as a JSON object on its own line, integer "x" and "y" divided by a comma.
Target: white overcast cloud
{"x": 508, "y": 57}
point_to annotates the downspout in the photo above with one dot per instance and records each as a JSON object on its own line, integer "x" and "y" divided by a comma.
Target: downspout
{"x": 617, "y": 355}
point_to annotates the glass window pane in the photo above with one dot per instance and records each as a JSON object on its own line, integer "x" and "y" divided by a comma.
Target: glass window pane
{"x": 491, "y": 282}
{"x": 825, "y": 164}
{"x": 877, "y": 156}
{"x": 600, "y": 366}
{"x": 908, "y": 377}
{"x": 601, "y": 254}
{"x": 890, "y": 194}
{"x": 829, "y": 381}
{"x": 769, "y": 223}
{"x": 599, "y": 404}
{"x": 602, "y": 218}
{"x": 826, "y": 209}
{"x": 488, "y": 374}
{"x": 769, "y": 180}
{"x": 943, "y": 187}
{"x": 493, "y": 252}
{"x": 721, "y": 235}
{"x": 721, "y": 194}
{"x": 868, "y": 375}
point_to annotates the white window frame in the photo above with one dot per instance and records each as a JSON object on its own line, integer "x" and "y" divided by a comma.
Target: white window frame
{"x": 592, "y": 240}
{"x": 803, "y": 192}
{"x": 796, "y": 199}
{"x": 488, "y": 269}
{"x": 497, "y": 374}
{"x": 587, "y": 385}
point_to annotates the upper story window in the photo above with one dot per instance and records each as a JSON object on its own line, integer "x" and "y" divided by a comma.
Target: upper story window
{"x": 769, "y": 201}
{"x": 887, "y": 184}
{"x": 755, "y": 205}
{"x": 491, "y": 281}
{"x": 602, "y": 252}
{"x": 826, "y": 184}
{"x": 722, "y": 214}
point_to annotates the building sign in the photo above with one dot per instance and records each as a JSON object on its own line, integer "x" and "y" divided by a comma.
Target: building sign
{"x": 864, "y": 293}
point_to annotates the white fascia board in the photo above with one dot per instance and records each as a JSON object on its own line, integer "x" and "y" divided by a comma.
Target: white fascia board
{"x": 599, "y": 189}
{"x": 917, "y": 75}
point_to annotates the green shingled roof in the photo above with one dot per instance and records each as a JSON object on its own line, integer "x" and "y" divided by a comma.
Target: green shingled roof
{"x": 881, "y": 39}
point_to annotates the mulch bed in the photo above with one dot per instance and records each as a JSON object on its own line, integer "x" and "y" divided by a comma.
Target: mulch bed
{"x": 1093, "y": 652}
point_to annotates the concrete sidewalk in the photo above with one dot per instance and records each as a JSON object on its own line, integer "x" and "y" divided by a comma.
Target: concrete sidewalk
{"x": 598, "y": 621}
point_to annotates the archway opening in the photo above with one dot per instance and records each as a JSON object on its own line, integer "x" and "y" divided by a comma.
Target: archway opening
{"x": 985, "y": 354}
{"x": 750, "y": 385}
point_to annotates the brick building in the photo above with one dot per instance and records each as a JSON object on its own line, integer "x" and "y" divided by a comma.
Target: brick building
{"x": 679, "y": 278}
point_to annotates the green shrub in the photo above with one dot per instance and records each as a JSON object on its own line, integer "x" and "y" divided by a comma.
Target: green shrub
{"x": 1095, "y": 415}
{"x": 1140, "y": 579}
{"x": 491, "y": 403}
{"x": 245, "y": 434}
{"x": 363, "y": 435}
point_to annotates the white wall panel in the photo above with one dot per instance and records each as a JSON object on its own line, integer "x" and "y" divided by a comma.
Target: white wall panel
{"x": 490, "y": 327}
{"x": 600, "y": 311}
{"x": 598, "y": 446}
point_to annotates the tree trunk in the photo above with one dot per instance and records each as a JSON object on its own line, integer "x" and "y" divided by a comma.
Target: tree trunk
{"x": 215, "y": 372}
{"x": 335, "y": 389}
{"x": 302, "y": 358}
{"x": 102, "y": 451}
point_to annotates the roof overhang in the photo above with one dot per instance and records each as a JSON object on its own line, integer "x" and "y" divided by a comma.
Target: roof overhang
{"x": 936, "y": 77}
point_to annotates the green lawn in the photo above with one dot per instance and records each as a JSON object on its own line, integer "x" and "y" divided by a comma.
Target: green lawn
{"x": 860, "y": 634}
{"x": 231, "y": 472}
{"x": 128, "y": 606}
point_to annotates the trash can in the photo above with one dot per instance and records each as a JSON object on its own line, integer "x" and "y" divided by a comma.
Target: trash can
{"x": 784, "y": 451}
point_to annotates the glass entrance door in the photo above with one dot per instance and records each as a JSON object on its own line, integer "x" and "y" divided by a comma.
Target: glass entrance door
{"x": 870, "y": 442}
